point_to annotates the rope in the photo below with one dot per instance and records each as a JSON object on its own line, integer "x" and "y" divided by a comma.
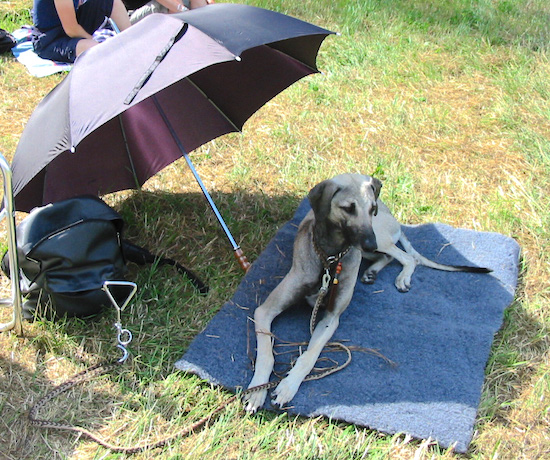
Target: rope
{"x": 101, "y": 368}
{"x": 105, "y": 367}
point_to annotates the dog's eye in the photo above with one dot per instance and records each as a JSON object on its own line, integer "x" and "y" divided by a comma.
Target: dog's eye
{"x": 374, "y": 210}
{"x": 350, "y": 208}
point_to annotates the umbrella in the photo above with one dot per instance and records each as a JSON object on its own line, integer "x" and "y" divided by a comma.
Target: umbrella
{"x": 154, "y": 93}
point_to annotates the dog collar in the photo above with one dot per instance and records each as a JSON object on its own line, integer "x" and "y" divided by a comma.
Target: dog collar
{"x": 327, "y": 260}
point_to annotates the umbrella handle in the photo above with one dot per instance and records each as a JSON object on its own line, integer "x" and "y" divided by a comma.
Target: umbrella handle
{"x": 241, "y": 258}
{"x": 243, "y": 261}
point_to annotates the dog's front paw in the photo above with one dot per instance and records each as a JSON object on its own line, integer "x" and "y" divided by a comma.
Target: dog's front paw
{"x": 254, "y": 400}
{"x": 369, "y": 277}
{"x": 285, "y": 391}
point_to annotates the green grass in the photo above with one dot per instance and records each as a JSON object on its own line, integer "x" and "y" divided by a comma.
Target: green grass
{"x": 446, "y": 101}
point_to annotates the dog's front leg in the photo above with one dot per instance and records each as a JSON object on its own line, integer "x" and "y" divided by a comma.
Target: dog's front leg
{"x": 403, "y": 280}
{"x": 263, "y": 317}
{"x": 289, "y": 386}
{"x": 283, "y": 296}
{"x": 322, "y": 333}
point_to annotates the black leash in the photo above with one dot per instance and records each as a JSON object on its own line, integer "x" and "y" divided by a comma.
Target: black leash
{"x": 141, "y": 256}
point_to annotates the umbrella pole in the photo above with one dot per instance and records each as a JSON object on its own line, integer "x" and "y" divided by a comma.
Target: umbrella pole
{"x": 241, "y": 258}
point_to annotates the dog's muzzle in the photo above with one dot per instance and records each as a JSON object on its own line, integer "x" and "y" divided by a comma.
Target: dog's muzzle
{"x": 369, "y": 242}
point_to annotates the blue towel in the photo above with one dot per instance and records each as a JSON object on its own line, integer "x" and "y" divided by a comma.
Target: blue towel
{"x": 439, "y": 336}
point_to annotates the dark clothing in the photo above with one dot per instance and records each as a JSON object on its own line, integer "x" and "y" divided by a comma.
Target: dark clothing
{"x": 50, "y": 40}
{"x": 45, "y": 14}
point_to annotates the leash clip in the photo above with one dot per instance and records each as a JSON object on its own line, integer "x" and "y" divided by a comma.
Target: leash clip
{"x": 122, "y": 344}
{"x": 325, "y": 282}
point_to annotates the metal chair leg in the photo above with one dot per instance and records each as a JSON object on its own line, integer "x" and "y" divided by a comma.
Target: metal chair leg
{"x": 8, "y": 212}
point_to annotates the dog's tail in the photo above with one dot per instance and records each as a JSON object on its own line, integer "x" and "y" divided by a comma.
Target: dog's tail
{"x": 421, "y": 260}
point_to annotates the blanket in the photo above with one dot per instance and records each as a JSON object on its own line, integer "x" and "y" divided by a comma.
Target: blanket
{"x": 23, "y": 51}
{"x": 438, "y": 336}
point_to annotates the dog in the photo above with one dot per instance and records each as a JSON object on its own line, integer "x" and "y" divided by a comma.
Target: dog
{"x": 388, "y": 233}
{"x": 347, "y": 222}
{"x": 339, "y": 225}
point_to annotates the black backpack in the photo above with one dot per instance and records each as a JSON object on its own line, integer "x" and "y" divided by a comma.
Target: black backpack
{"x": 67, "y": 250}
{"x": 7, "y": 42}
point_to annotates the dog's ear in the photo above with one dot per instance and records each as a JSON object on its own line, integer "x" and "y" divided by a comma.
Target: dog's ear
{"x": 321, "y": 196}
{"x": 376, "y": 186}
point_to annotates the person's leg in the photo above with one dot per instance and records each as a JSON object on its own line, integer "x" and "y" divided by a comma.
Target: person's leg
{"x": 197, "y": 4}
{"x": 56, "y": 46}
{"x": 84, "y": 44}
{"x": 149, "y": 8}
{"x": 119, "y": 14}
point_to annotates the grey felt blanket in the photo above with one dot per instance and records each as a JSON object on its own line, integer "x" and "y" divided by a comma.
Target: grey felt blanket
{"x": 439, "y": 336}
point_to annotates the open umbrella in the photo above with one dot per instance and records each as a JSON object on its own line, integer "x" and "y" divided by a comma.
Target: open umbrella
{"x": 155, "y": 92}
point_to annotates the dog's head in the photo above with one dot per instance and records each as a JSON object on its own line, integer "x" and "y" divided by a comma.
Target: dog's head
{"x": 346, "y": 204}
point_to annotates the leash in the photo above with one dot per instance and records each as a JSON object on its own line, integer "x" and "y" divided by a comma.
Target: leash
{"x": 124, "y": 337}
{"x": 102, "y": 368}
{"x": 329, "y": 281}
{"x": 87, "y": 374}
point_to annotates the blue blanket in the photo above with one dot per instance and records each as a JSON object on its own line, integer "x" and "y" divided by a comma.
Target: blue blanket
{"x": 439, "y": 336}
{"x": 23, "y": 51}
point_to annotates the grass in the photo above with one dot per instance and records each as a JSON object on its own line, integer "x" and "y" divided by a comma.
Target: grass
{"x": 446, "y": 101}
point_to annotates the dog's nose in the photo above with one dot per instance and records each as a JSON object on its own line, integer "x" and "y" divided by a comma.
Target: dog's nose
{"x": 369, "y": 243}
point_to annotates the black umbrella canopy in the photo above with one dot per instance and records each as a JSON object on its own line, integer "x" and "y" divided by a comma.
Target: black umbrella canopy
{"x": 111, "y": 123}
{"x": 224, "y": 21}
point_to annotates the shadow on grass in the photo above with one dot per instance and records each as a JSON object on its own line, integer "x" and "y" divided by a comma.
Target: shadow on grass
{"x": 168, "y": 313}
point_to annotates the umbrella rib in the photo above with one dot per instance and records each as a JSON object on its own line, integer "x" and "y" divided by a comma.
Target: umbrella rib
{"x": 162, "y": 54}
{"x": 221, "y": 112}
{"x": 237, "y": 58}
{"x": 127, "y": 148}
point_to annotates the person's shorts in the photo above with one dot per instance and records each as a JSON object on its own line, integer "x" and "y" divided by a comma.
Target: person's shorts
{"x": 56, "y": 45}
{"x": 149, "y": 8}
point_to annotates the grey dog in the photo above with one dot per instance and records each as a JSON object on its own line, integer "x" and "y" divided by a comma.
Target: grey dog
{"x": 347, "y": 221}
{"x": 338, "y": 227}
{"x": 388, "y": 233}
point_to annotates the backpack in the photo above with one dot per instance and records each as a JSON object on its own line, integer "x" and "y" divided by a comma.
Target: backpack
{"x": 67, "y": 250}
{"x": 7, "y": 42}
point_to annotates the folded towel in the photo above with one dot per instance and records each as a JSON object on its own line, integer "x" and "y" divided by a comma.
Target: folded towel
{"x": 24, "y": 53}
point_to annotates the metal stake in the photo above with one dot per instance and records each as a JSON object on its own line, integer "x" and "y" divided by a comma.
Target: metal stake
{"x": 8, "y": 211}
